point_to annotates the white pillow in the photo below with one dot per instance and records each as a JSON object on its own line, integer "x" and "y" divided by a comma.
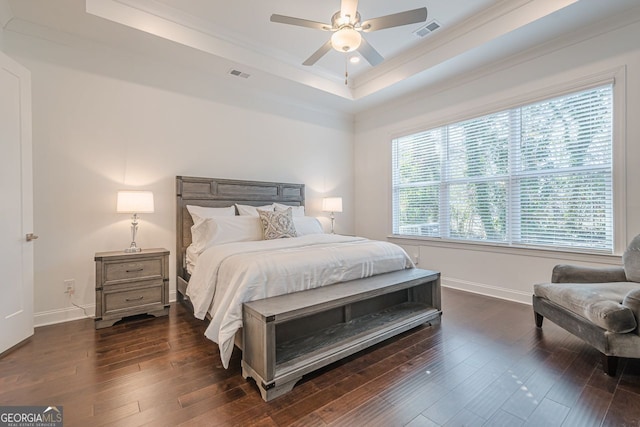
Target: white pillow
{"x": 252, "y": 210}
{"x": 225, "y": 229}
{"x": 295, "y": 210}
{"x": 307, "y": 225}
{"x": 200, "y": 213}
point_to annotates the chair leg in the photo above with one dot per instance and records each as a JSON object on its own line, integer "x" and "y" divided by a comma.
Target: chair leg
{"x": 539, "y": 319}
{"x": 610, "y": 365}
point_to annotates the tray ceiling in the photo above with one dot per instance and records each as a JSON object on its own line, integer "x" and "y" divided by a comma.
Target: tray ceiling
{"x": 238, "y": 35}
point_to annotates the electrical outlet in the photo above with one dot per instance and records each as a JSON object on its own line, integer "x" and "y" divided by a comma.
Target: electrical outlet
{"x": 69, "y": 286}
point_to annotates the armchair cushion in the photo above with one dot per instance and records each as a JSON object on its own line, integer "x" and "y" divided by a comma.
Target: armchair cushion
{"x": 600, "y": 303}
{"x": 631, "y": 260}
{"x": 564, "y": 273}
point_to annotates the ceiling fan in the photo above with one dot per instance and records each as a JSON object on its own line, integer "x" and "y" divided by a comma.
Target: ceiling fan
{"x": 346, "y": 26}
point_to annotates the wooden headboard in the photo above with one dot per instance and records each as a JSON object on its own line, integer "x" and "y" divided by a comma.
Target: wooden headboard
{"x": 219, "y": 193}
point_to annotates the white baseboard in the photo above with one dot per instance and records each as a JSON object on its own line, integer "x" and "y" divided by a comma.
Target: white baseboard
{"x": 60, "y": 315}
{"x": 68, "y": 314}
{"x": 74, "y": 313}
{"x": 488, "y": 290}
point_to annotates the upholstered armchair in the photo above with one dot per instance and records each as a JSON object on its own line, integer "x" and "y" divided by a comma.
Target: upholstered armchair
{"x": 599, "y": 305}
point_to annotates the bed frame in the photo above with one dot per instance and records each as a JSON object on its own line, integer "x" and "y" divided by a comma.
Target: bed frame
{"x": 288, "y": 336}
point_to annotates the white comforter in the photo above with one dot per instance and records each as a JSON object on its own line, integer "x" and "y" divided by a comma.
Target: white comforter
{"x": 227, "y": 275}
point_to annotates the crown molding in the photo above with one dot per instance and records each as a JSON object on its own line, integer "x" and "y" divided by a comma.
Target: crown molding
{"x": 164, "y": 21}
{"x": 6, "y": 14}
{"x": 186, "y": 30}
{"x": 564, "y": 41}
{"x": 493, "y": 22}
{"x": 442, "y": 39}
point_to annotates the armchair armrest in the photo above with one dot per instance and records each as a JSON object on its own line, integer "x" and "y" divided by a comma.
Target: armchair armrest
{"x": 564, "y": 273}
{"x": 632, "y": 300}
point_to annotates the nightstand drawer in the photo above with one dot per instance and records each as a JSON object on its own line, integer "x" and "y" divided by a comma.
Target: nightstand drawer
{"x": 141, "y": 269}
{"x": 141, "y": 296}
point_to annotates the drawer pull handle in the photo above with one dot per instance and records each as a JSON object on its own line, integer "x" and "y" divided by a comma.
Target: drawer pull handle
{"x": 133, "y": 270}
{"x": 133, "y": 299}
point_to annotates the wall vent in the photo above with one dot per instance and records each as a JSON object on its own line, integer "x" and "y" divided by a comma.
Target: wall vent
{"x": 239, "y": 73}
{"x": 427, "y": 29}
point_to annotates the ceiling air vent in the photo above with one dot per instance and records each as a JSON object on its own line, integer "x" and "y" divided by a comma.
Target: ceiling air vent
{"x": 427, "y": 29}
{"x": 239, "y": 73}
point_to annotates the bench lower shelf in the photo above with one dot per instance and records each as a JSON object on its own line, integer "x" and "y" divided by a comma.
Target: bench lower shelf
{"x": 300, "y": 337}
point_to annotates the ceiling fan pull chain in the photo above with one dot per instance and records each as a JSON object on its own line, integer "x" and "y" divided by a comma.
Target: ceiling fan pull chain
{"x": 346, "y": 70}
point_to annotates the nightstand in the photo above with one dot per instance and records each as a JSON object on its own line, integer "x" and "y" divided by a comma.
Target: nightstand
{"x": 131, "y": 283}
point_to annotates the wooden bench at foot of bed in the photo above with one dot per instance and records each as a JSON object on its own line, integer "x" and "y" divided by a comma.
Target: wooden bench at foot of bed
{"x": 288, "y": 336}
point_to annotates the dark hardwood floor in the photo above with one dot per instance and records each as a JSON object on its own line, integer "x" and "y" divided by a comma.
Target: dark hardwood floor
{"x": 487, "y": 364}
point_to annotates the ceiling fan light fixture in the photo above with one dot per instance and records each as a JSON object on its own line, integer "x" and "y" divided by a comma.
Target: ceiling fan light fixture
{"x": 343, "y": 20}
{"x": 346, "y": 40}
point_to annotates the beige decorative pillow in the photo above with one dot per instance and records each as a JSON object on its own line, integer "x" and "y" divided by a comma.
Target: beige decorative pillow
{"x": 276, "y": 225}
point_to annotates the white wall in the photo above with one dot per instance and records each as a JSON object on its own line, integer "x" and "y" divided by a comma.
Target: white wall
{"x": 104, "y": 121}
{"x": 502, "y": 273}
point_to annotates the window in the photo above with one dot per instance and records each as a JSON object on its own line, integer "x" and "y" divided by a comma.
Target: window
{"x": 536, "y": 175}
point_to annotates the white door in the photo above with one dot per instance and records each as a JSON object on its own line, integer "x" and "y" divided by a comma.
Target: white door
{"x": 16, "y": 209}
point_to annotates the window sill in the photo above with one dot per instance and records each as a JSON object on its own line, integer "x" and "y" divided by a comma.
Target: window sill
{"x": 564, "y": 254}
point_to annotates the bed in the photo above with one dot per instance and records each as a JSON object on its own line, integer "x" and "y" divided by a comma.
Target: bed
{"x": 289, "y": 328}
{"x": 220, "y": 193}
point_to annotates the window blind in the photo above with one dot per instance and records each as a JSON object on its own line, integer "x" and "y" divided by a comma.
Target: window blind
{"x": 536, "y": 175}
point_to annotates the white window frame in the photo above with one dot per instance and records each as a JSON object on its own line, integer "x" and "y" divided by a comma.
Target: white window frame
{"x": 616, "y": 77}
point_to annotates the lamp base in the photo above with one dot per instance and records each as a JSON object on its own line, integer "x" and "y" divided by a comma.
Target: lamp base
{"x": 133, "y": 248}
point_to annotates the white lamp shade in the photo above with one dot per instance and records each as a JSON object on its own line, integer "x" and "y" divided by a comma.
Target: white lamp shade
{"x": 346, "y": 40}
{"x": 134, "y": 202}
{"x": 332, "y": 204}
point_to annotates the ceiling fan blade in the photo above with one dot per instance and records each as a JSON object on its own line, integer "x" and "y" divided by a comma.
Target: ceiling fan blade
{"x": 318, "y": 53}
{"x": 369, "y": 53}
{"x": 349, "y": 7}
{"x": 395, "y": 20}
{"x": 282, "y": 19}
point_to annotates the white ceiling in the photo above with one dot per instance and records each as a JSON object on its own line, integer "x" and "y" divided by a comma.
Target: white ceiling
{"x": 218, "y": 36}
